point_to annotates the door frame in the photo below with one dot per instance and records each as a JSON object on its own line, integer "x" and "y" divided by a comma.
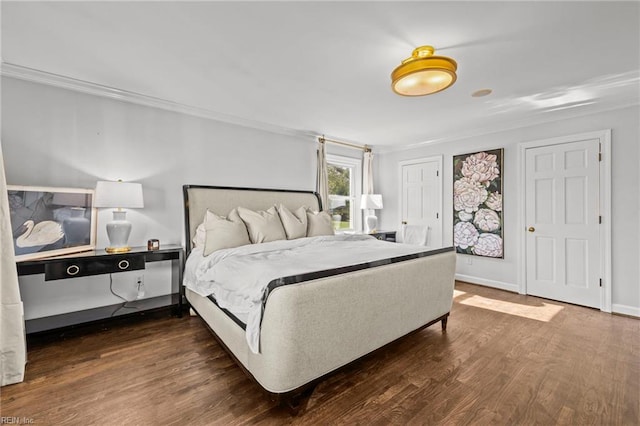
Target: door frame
{"x": 604, "y": 200}
{"x": 439, "y": 160}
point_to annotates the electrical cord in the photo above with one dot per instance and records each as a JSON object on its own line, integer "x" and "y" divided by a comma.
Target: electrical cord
{"x": 124, "y": 305}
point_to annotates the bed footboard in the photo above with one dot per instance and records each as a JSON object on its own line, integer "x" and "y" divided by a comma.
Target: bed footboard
{"x": 313, "y": 328}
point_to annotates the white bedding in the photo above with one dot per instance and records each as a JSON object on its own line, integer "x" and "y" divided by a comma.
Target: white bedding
{"x": 237, "y": 277}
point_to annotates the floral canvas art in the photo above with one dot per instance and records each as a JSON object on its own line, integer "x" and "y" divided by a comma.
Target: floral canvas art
{"x": 477, "y": 203}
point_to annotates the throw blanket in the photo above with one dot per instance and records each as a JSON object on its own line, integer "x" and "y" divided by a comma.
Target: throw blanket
{"x": 238, "y": 277}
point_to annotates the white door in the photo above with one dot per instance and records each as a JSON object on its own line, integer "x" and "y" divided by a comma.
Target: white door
{"x": 421, "y": 193}
{"x": 562, "y": 222}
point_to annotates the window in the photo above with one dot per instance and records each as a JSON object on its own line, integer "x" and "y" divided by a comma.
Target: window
{"x": 345, "y": 187}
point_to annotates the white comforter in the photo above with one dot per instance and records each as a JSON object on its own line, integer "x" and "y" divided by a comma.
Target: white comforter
{"x": 238, "y": 277}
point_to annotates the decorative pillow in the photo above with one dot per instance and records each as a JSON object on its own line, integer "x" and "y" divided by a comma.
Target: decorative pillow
{"x": 319, "y": 223}
{"x": 224, "y": 233}
{"x": 201, "y": 230}
{"x": 263, "y": 226}
{"x": 294, "y": 223}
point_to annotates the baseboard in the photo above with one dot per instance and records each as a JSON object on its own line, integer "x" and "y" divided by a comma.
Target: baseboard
{"x": 489, "y": 283}
{"x": 625, "y": 310}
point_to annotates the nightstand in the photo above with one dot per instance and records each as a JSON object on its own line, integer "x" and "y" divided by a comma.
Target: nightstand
{"x": 99, "y": 262}
{"x": 385, "y": 235}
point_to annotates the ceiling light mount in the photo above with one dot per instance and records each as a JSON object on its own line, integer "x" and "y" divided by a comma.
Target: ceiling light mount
{"x": 423, "y": 73}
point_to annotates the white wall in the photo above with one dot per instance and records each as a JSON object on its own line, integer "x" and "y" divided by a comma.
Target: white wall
{"x": 57, "y": 137}
{"x": 61, "y": 138}
{"x": 503, "y": 273}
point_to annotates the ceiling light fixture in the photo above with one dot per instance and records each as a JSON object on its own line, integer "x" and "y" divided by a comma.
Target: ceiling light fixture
{"x": 423, "y": 74}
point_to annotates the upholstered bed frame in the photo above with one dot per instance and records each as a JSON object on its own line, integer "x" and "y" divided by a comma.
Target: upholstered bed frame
{"x": 311, "y": 329}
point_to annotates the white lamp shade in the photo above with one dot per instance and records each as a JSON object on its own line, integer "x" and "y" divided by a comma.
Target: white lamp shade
{"x": 119, "y": 194}
{"x": 371, "y": 201}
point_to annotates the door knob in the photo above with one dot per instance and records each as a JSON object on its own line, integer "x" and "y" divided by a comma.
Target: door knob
{"x": 532, "y": 229}
{"x": 404, "y": 222}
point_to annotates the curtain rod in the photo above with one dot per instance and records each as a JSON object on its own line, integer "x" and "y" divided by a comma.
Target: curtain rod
{"x": 365, "y": 148}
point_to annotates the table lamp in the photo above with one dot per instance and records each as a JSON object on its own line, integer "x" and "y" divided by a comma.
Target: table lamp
{"x": 119, "y": 195}
{"x": 371, "y": 202}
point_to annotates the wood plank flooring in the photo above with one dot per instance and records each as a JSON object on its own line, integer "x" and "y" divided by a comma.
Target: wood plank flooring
{"x": 506, "y": 359}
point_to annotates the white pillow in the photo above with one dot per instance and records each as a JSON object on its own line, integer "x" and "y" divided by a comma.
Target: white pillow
{"x": 224, "y": 233}
{"x": 294, "y": 223}
{"x": 263, "y": 226}
{"x": 201, "y": 230}
{"x": 319, "y": 223}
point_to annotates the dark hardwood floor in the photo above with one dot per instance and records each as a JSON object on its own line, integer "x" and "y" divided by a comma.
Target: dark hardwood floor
{"x": 506, "y": 359}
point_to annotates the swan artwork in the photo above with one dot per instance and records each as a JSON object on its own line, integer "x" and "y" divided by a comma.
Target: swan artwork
{"x": 40, "y": 234}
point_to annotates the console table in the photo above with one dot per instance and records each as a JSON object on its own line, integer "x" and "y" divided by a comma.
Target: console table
{"x": 99, "y": 262}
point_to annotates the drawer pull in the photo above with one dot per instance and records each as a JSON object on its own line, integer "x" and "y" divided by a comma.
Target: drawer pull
{"x": 123, "y": 264}
{"x": 73, "y": 270}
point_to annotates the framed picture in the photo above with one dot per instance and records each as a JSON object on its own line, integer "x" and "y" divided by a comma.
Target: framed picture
{"x": 51, "y": 221}
{"x": 477, "y": 203}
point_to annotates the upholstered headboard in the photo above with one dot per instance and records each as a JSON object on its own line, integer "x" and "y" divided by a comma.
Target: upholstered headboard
{"x": 221, "y": 200}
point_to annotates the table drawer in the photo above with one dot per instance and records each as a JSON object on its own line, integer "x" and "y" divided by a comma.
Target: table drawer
{"x": 74, "y": 268}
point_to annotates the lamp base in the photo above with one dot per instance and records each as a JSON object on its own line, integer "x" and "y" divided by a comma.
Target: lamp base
{"x": 370, "y": 224}
{"x": 117, "y": 249}
{"x": 118, "y": 232}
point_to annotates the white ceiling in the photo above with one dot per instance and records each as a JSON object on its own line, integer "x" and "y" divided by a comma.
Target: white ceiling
{"x": 324, "y": 67}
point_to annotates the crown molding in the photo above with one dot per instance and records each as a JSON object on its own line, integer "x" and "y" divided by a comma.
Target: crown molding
{"x": 37, "y": 76}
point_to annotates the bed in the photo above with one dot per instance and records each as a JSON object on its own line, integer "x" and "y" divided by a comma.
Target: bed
{"x": 313, "y": 323}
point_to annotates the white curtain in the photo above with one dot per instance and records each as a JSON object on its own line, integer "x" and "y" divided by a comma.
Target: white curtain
{"x": 322, "y": 177}
{"x": 367, "y": 173}
{"x": 13, "y": 352}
